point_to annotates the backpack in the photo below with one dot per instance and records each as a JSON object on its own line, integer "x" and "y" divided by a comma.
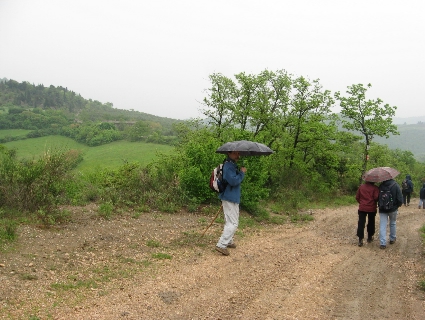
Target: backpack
{"x": 385, "y": 200}
{"x": 217, "y": 183}
{"x": 405, "y": 185}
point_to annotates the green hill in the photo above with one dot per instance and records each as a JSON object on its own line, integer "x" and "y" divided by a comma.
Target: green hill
{"x": 46, "y": 111}
{"x": 62, "y": 106}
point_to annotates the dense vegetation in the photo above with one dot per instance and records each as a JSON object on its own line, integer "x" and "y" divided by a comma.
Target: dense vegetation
{"x": 318, "y": 156}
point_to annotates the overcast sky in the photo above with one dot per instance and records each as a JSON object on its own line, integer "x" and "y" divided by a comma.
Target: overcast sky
{"x": 155, "y": 56}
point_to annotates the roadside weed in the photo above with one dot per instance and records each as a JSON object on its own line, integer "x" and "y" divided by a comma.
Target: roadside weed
{"x": 8, "y": 230}
{"x": 153, "y": 243}
{"x": 106, "y": 210}
{"x": 422, "y": 285}
{"x": 161, "y": 255}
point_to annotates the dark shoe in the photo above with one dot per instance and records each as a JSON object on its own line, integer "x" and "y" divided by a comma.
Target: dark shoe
{"x": 232, "y": 245}
{"x": 392, "y": 241}
{"x": 369, "y": 239}
{"x": 223, "y": 251}
{"x": 360, "y": 242}
{"x": 383, "y": 247}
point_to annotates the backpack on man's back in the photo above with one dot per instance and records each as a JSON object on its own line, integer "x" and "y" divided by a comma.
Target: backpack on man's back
{"x": 217, "y": 183}
{"x": 405, "y": 185}
{"x": 385, "y": 200}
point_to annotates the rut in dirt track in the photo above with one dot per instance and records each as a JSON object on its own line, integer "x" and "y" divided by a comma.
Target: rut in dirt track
{"x": 314, "y": 271}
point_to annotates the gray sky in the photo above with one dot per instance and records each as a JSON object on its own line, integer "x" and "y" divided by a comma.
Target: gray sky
{"x": 155, "y": 56}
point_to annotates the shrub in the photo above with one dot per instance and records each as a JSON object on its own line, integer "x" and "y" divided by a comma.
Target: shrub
{"x": 33, "y": 185}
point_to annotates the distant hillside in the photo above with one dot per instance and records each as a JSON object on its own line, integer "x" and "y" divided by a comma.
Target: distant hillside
{"x": 409, "y": 120}
{"x": 411, "y": 138}
{"x": 38, "y": 97}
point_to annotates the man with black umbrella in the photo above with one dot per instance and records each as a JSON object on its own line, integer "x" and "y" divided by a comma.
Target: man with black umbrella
{"x": 230, "y": 199}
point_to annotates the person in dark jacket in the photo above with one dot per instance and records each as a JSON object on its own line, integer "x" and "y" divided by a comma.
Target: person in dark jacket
{"x": 230, "y": 199}
{"x": 408, "y": 191}
{"x": 422, "y": 197}
{"x": 367, "y": 197}
{"x": 391, "y": 214}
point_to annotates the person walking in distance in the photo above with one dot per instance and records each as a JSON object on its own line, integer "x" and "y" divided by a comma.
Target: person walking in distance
{"x": 367, "y": 197}
{"x": 390, "y": 199}
{"x": 407, "y": 189}
{"x": 422, "y": 197}
{"x": 230, "y": 199}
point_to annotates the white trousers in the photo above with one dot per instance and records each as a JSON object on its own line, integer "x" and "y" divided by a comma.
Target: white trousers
{"x": 231, "y": 218}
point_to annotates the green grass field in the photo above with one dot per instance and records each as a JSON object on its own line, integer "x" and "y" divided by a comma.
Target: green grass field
{"x": 13, "y": 133}
{"x": 111, "y": 155}
{"x": 117, "y": 153}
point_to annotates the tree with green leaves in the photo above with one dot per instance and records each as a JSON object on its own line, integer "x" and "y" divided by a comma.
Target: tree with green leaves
{"x": 369, "y": 117}
{"x": 308, "y": 113}
{"x": 251, "y": 105}
{"x": 220, "y": 102}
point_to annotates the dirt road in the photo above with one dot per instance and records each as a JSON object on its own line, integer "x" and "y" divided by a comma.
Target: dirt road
{"x": 310, "y": 271}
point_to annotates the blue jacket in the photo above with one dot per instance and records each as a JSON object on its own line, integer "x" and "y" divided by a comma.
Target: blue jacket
{"x": 234, "y": 178}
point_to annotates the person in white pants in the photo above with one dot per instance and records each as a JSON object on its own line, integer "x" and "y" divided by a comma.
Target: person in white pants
{"x": 230, "y": 199}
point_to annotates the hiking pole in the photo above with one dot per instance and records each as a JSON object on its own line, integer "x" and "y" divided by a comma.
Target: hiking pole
{"x": 213, "y": 220}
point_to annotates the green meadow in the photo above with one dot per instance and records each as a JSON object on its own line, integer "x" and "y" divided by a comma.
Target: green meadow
{"x": 111, "y": 155}
{"x": 13, "y": 133}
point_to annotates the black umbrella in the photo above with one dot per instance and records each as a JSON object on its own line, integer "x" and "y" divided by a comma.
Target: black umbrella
{"x": 245, "y": 148}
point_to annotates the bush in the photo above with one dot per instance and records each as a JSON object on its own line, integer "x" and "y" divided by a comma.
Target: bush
{"x": 196, "y": 158}
{"x": 154, "y": 187}
{"x": 33, "y": 185}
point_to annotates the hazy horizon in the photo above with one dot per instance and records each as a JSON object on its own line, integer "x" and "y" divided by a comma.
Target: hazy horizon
{"x": 156, "y": 56}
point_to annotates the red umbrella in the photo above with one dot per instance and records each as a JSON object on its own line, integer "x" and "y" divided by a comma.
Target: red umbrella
{"x": 380, "y": 174}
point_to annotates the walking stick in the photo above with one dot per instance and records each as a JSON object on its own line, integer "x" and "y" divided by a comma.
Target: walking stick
{"x": 213, "y": 220}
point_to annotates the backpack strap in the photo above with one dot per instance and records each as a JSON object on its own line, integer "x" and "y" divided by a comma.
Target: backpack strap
{"x": 222, "y": 175}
